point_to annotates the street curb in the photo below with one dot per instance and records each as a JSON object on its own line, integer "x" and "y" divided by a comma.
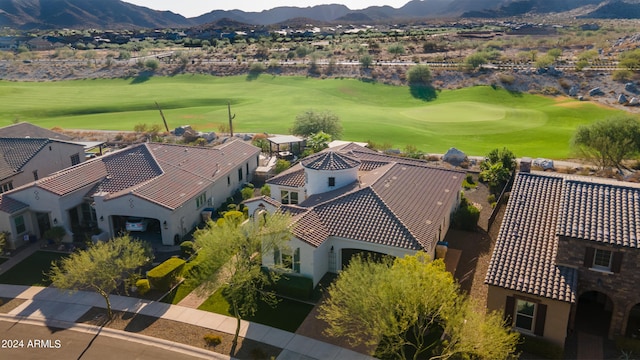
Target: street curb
{"x": 119, "y": 334}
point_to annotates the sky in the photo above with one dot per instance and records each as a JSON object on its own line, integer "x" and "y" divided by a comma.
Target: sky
{"x": 192, "y": 8}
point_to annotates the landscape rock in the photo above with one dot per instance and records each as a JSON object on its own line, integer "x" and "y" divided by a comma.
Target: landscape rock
{"x": 631, "y": 87}
{"x": 179, "y": 131}
{"x": 553, "y": 71}
{"x": 454, "y": 157}
{"x": 622, "y": 99}
{"x": 581, "y": 98}
{"x": 545, "y": 164}
{"x": 209, "y": 136}
{"x": 573, "y": 91}
{"x": 634, "y": 102}
{"x": 596, "y": 92}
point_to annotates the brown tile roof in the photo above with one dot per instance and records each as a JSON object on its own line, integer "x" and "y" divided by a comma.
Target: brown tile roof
{"x": 164, "y": 174}
{"x": 24, "y": 130}
{"x": 329, "y": 160}
{"x": 524, "y": 258}
{"x": 602, "y": 212}
{"x": 16, "y": 152}
{"x": 10, "y": 206}
{"x": 293, "y": 177}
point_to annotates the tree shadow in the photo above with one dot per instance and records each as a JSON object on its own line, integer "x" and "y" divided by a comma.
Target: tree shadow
{"x": 253, "y": 75}
{"x": 423, "y": 92}
{"x": 142, "y": 77}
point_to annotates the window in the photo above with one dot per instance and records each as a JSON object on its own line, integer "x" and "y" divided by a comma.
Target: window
{"x": 6, "y": 187}
{"x": 228, "y": 180}
{"x": 247, "y": 170}
{"x": 525, "y": 312}
{"x": 288, "y": 197}
{"x": 257, "y": 161}
{"x": 20, "y": 226}
{"x": 296, "y": 261}
{"x": 602, "y": 259}
{"x": 75, "y": 159}
{"x": 240, "y": 174}
{"x": 200, "y": 200}
{"x": 35, "y": 175}
{"x": 332, "y": 181}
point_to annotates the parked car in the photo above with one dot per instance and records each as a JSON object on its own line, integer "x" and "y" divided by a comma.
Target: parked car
{"x": 137, "y": 224}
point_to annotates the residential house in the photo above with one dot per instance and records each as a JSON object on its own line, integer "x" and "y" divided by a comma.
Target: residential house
{"x": 167, "y": 185}
{"x": 349, "y": 200}
{"x": 566, "y": 257}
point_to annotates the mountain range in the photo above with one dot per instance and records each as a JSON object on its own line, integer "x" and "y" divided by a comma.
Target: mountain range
{"x": 116, "y": 14}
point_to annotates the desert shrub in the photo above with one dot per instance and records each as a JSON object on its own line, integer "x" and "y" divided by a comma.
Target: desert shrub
{"x": 506, "y": 79}
{"x": 265, "y": 190}
{"x": 469, "y": 178}
{"x": 164, "y": 275}
{"x": 187, "y": 248}
{"x": 467, "y": 215}
{"x": 622, "y": 75}
{"x": 55, "y": 233}
{"x": 212, "y": 340}
{"x": 491, "y": 198}
{"x": 143, "y": 286}
{"x": 247, "y": 193}
{"x": 564, "y": 83}
{"x": 152, "y": 64}
{"x": 540, "y": 347}
{"x": 282, "y": 165}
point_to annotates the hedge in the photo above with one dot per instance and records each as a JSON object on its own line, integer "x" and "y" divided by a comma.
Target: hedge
{"x": 164, "y": 275}
{"x": 541, "y": 347}
{"x": 143, "y": 286}
{"x": 293, "y": 285}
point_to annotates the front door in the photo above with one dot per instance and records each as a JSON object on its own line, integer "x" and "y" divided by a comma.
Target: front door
{"x": 44, "y": 223}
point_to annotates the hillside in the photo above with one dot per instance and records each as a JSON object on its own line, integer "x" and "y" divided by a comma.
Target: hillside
{"x": 116, "y": 14}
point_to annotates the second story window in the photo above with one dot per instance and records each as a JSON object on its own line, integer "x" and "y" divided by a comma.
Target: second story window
{"x": 602, "y": 259}
{"x": 332, "y": 181}
{"x": 75, "y": 159}
{"x": 35, "y": 175}
{"x": 201, "y": 200}
{"x": 6, "y": 187}
{"x": 240, "y": 174}
{"x": 607, "y": 260}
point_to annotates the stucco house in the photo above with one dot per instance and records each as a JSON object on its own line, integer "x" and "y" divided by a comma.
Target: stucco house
{"x": 167, "y": 185}
{"x": 349, "y": 199}
{"x": 566, "y": 257}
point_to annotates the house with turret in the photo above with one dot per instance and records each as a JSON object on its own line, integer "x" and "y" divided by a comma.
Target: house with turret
{"x": 351, "y": 200}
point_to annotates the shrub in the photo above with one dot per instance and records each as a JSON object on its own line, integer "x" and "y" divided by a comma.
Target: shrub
{"x": 56, "y": 234}
{"x": 622, "y": 75}
{"x": 467, "y": 215}
{"x": 187, "y": 248}
{"x": 282, "y": 165}
{"x": 491, "y": 198}
{"x": 143, "y": 286}
{"x": 212, "y": 340}
{"x": 265, "y": 190}
{"x": 540, "y": 347}
{"x": 247, "y": 193}
{"x": 164, "y": 275}
{"x": 507, "y": 79}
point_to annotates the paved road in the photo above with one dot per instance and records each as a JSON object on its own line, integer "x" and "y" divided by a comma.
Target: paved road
{"x": 69, "y": 344}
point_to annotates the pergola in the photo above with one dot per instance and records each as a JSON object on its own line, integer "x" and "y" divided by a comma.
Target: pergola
{"x": 282, "y": 140}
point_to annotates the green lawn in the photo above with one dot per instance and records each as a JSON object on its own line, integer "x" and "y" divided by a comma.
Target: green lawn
{"x": 475, "y": 119}
{"x": 31, "y": 270}
{"x": 3, "y": 260}
{"x": 287, "y": 315}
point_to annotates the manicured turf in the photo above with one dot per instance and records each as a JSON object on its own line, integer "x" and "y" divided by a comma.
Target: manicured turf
{"x": 475, "y": 119}
{"x": 287, "y": 315}
{"x": 31, "y": 270}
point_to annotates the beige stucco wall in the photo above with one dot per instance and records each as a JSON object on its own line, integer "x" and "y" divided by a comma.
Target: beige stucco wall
{"x": 53, "y": 157}
{"x": 557, "y": 319}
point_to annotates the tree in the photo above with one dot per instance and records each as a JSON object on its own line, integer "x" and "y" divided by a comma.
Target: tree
{"x": 366, "y": 61}
{"x": 474, "y": 61}
{"x": 419, "y": 78}
{"x": 608, "y": 142}
{"x": 232, "y": 254}
{"x": 411, "y": 308}
{"x": 319, "y": 141}
{"x": 312, "y": 122}
{"x": 497, "y": 167}
{"x": 282, "y": 165}
{"x": 101, "y": 267}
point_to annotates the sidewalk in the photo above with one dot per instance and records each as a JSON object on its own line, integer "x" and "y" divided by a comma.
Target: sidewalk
{"x": 54, "y": 308}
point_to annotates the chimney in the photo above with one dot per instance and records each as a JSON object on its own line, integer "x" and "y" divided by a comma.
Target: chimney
{"x": 525, "y": 165}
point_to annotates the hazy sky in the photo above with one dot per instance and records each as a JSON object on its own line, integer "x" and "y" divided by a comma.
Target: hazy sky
{"x": 191, "y": 8}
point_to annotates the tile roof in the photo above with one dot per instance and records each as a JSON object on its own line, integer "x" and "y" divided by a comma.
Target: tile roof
{"x": 330, "y": 161}
{"x": 16, "y": 152}
{"x": 165, "y": 174}
{"x": 524, "y": 257}
{"x": 602, "y": 212}
{"x": 27, "y": 130}
{"x": 293, "y": 177}
{"x": 10, "y": 206}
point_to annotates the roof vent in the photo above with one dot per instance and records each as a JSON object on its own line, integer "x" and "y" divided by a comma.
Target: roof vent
{"x": 525, "y": 165}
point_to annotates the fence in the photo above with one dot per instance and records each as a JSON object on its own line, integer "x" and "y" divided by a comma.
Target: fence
{"x": 501, "y": 200}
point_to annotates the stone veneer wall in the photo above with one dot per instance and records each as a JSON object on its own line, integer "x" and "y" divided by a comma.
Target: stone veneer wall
{"x": 622, "y": 288}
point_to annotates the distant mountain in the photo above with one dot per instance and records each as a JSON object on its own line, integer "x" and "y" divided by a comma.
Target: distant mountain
{"x": 616, "y": 10}
{"x": 522, "y": 7}
{"x": 116, "y": 14}
{"x": 99, "y": 14}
